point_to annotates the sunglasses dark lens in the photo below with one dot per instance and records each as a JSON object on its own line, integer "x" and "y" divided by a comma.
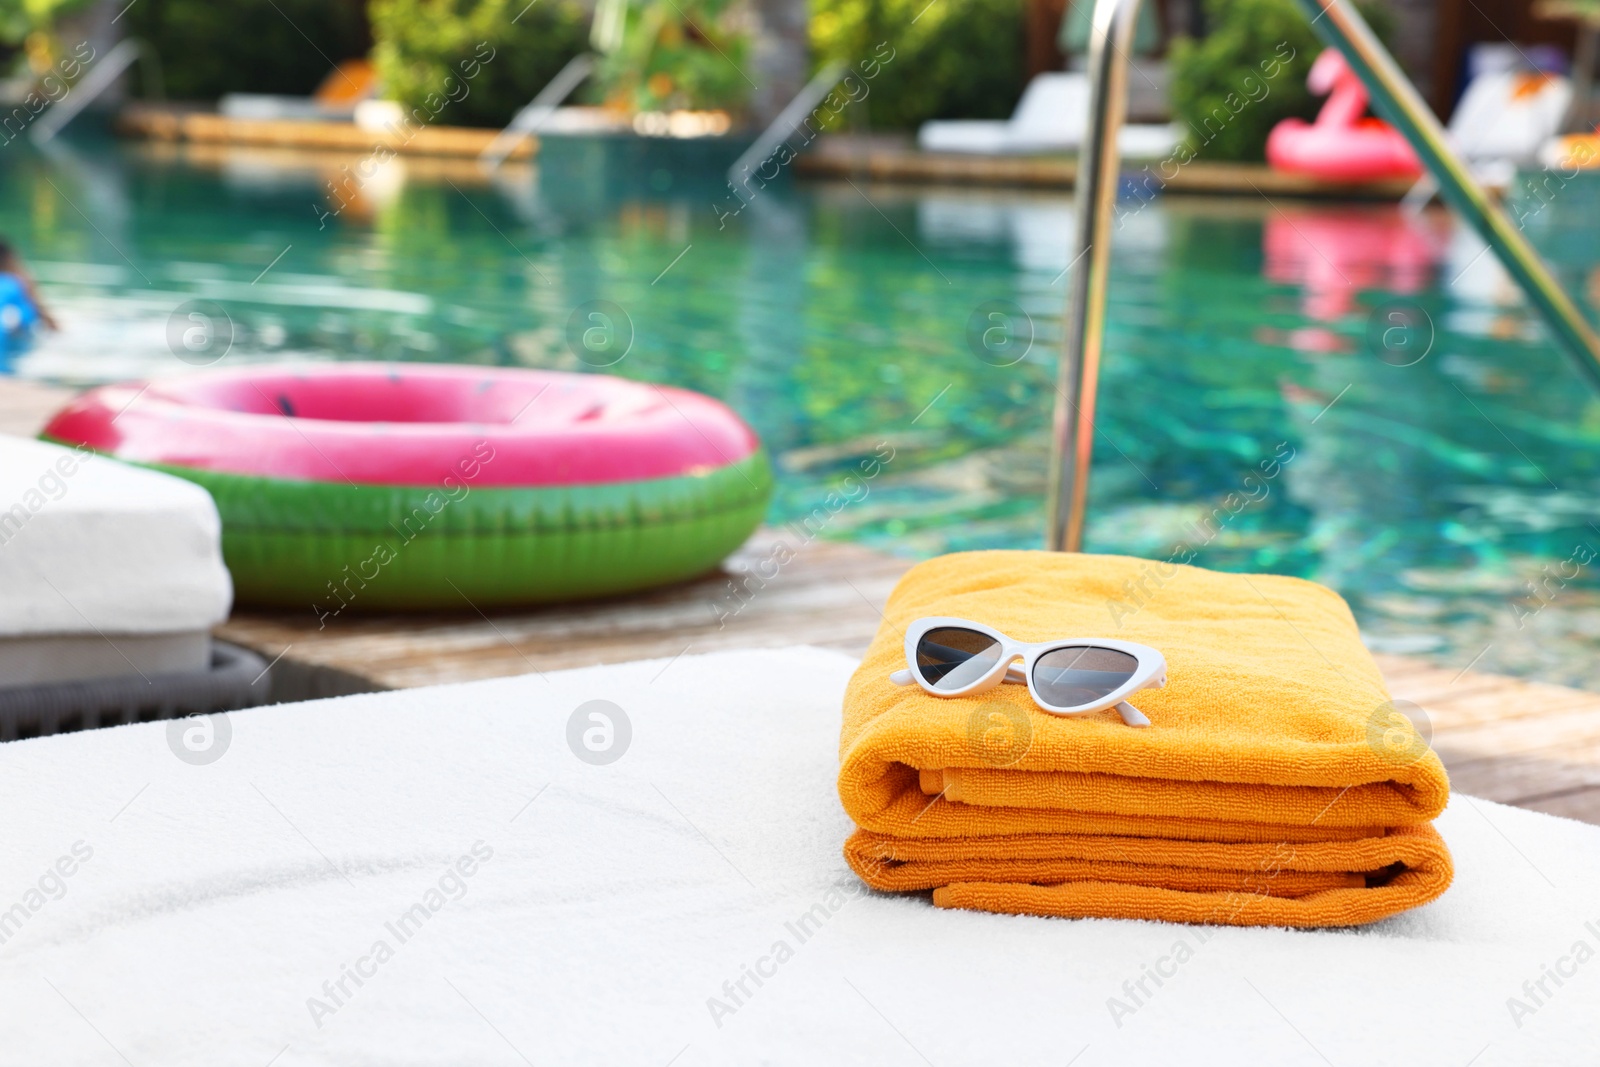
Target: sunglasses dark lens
{"x": 1081, "y": 674}
{"x": 952, "y": 658}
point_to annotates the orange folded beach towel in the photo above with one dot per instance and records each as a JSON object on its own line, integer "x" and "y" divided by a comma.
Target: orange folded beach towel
{"x": 1276, "y": 785}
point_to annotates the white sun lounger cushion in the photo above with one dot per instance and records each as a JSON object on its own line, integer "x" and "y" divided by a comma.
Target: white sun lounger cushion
{"x": 437, "y": 876}
{"x": 1051, "y": 116}
{"x": 92, "y": 546}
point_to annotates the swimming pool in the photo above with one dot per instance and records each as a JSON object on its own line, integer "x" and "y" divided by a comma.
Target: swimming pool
{"x": 1338, "y": 392}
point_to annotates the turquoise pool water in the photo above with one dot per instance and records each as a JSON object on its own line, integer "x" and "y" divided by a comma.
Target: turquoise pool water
{"x": 1430, "y": 454}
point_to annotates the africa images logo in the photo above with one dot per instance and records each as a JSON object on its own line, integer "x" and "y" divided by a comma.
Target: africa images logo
{"x": 200, "y": 739}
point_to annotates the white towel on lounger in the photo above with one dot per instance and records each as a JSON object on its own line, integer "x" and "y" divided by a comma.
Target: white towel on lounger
{"x": 685, "y": 904}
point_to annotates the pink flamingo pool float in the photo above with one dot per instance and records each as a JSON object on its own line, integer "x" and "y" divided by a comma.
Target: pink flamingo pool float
{"x": 1343, "y": 144}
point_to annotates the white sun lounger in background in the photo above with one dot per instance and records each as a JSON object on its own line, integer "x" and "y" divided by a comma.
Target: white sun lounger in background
{"x": 337, "y": 99}
{"x": 1506, "y": 116}
{"x": 1502, "y": 122}
{"x": 1050, "y": 117}
{"x": 640, "y": 864}
{"x": 106, "y": 570}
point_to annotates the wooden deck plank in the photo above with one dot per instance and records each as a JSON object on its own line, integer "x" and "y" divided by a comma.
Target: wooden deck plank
{"x": 1519, "y": 779}
{"x": 1578, "y": 723}
{"x": 26, "y": 406}
{"x": 1580, "y": 804}
{"x": 1467, "y": 697}
{"x": 165, "y": 123}
{"x": 827, "y": 595}
{"x": 1471, "y": 710}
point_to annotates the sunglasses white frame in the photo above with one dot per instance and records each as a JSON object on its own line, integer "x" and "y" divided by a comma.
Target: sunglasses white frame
{"x": 1149, "y": 673}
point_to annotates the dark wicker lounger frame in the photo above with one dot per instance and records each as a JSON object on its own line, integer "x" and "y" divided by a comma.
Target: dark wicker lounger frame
{"x": 237, "y": 678}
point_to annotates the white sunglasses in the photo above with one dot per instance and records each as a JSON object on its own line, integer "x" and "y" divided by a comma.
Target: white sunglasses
{"x": 952, "y": 657}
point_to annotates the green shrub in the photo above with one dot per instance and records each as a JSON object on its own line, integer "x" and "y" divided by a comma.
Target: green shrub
{"x": 952, "y": 58}
{"x": 1250, "y": 70}
{"x": 677, "y": 54}
{"x": 19, "y": 18}
{"x": 29, "y": 43}
{"x": 211, "y": 47}
{"x": 419, "y": 46}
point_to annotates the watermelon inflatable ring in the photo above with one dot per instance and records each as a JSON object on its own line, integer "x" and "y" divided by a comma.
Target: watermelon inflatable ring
{"x": 401, "y": 486}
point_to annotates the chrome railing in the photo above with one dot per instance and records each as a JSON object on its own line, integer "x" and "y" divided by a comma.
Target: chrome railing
{"x": 1078, "y": 381}
{"x": 783, "y": 126}
{"x": 537, "y": 112}
{"x": 1394, "y": 98}
{"x": 100, "y": 77}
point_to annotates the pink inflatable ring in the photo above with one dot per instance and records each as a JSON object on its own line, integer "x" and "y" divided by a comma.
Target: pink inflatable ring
{"x": 427, "y": 486}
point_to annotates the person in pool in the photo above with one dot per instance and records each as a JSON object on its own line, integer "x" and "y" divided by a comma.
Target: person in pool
{"x": 21, "y": 310}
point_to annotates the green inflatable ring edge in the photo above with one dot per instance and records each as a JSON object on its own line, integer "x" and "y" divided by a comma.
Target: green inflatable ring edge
{"x": 333, "y": 547}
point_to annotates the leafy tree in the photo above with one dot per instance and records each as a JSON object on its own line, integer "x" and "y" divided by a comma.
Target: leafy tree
{"x": 420, "y": 46}
{"x": 1585, "y": 52}
{"x": 952, "y": 58}
{"x": 19, "y": 18}
{"x": 27, "y": 37}
{"x": 678, "y": 54}
{"x": 258, "y": 46}
{"x": 1248, "y": 74}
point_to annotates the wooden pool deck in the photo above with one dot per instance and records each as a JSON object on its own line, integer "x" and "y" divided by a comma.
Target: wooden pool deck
{"x": 865, "y": 158}
{"x": 176, "y": 124}
{"x": 830, "y": 596}
{"x": 1517, "y": 742}
{"x": 896, "y": 160}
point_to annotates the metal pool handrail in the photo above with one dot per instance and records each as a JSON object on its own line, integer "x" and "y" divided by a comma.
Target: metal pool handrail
{"x": 1398, "y": 101}
{"x": 100, "y": 77}
{"x": 1394, "y": 97}
{"x": 537, "y": 111}
{"x": 783, "y": 126}
{"x": 1110, "y": 37}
